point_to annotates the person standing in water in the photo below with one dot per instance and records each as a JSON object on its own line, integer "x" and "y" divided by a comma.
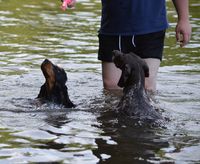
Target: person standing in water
{"x": 137, "y": 26}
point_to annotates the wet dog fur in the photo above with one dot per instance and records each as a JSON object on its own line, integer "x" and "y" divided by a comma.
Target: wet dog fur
{"x": 54, "y": 88}
{"x": 135, "y": 102}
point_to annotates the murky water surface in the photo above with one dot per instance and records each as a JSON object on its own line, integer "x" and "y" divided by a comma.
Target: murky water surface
{"x": 31, "y": 31}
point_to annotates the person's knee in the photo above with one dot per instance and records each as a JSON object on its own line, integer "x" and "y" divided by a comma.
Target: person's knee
{"x": 150, "y": 84}
{"x": 110, "y": 85}
{"x": 110, "y": 75}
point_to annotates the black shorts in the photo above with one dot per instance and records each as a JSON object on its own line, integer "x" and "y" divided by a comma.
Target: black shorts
{"x": 146, "y": 46}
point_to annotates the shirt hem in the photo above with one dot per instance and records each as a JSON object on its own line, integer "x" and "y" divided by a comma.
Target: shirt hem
{"x": 132, "y": 33}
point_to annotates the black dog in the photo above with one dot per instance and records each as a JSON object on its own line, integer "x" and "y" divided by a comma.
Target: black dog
{"x": 134, "y": 103}
{"x": 54, "y": 88}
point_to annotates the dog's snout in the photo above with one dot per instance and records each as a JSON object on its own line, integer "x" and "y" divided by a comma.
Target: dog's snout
{"x": 46, "y": 61}
{"x": 116, "y": 57}
{"x": 116, "y": 53}
{"x": 46, "y": 64}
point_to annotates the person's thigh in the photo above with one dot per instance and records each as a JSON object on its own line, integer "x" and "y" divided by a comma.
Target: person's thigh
{"x": 107, "y": 44}
{"x": 111, "y": 75}
{"x": 150, "y": 45}
{"x": 150, "y": 48}
{"x": 150, "y": 82}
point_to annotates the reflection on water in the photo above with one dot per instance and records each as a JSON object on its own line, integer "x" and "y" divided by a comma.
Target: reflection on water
{"x": 33, "y": 30}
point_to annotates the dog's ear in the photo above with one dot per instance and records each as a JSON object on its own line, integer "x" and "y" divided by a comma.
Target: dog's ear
{"x": 145, "y": 68}
{"x": 64, "y": 76}
{"x": 43, "y": 92}
{"x": 65, "y": 98}
{"x": 61, "y": 76}
{"x": 143, "y": 63}
{"x": 126, "y": 71}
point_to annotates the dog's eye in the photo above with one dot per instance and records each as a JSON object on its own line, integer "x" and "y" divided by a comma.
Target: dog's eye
{"x": 59, "y": 70}
{"x": 127, "y": 69}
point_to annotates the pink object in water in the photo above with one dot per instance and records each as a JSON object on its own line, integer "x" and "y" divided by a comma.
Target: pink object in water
{"x": 66, "y": 4}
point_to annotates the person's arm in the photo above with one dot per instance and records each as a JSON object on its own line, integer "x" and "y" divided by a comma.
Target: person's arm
{"x": 183, "y": 28}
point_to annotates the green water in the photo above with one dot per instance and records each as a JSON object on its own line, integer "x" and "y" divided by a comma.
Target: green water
{"x": 31, "y": 31}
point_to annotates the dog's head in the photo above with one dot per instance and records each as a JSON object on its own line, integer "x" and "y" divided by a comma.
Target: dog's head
{"x": 53, "y": 74}
{"x": 134, "y": 69}
{"x": 54, "y": 88}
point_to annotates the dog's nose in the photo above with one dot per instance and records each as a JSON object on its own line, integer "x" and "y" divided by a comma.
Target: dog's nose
{"x": 46, "y": 61}
{"x": 117, "y": 53}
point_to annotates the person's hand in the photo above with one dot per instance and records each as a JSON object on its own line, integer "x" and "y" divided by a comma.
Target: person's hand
{"x": 183, "y": 32}
{"x": 67, "y": 4}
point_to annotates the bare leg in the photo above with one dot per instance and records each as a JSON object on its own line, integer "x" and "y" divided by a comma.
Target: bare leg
{"x": 111, "y": 75}
{"x": 150, "y": 82}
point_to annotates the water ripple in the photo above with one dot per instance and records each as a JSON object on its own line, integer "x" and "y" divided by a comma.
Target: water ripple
{"x": 32, "y": 133}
